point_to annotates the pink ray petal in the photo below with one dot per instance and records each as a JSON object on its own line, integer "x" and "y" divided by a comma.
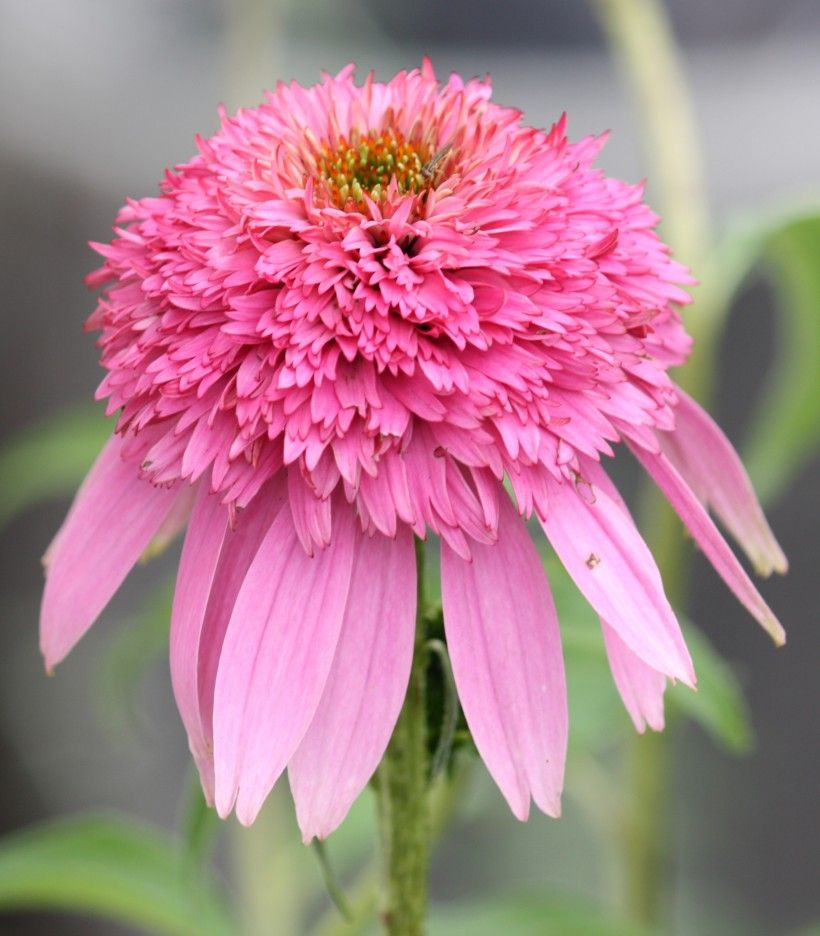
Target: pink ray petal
{"x": 602, "y": 550}
{"x": 505, "y": 647}
{"x": 708, "y": 537}
{"x": 640, "y": 686}
{"x": 705, "y": 458}
{"x": 366, "y": 687}
{"x": 112, "y": 520}
{"x": 197, "y": 664}
{"x": 275, "y": 659}
{"x": 198, "y": 566}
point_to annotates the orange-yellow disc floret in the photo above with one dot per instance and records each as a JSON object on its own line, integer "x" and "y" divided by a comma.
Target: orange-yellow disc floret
{"x": 365, "y": 164}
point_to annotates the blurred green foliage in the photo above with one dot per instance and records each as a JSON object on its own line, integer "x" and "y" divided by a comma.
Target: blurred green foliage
{"x": 113, "y": 867}
{"x": 787, "y": 429}
{"x": 49, "y": 460}
{"x": 541, "y": 915}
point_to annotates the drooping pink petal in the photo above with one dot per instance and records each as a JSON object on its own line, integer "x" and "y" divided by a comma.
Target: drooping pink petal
{"x": 275, "y": 659}
{"x": 505, "y": 647}
{"x": 198, "y": 565}
{"x": 602, "y": 550}
{"x": 366, "y": 686}
{"x": 705, "y": 458}
{"x": 640, "y": 686}
{"x": 708, "y": 537}
{"x": 199, "y": 664}
{"x": 112, "y": 520}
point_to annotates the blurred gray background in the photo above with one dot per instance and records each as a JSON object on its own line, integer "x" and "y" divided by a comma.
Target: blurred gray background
{"x": 100, "y": 95}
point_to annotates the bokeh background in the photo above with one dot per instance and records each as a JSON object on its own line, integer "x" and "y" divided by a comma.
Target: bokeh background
{"x": 99, "y": 96}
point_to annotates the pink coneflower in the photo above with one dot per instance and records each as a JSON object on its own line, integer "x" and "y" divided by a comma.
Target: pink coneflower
{"x": 343, "y": 324}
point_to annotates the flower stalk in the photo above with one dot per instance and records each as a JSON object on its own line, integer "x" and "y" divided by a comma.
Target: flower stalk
{"x": 403, "y": 808}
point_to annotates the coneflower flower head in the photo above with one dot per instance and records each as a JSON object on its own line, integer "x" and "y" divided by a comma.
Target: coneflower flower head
{"x": 346, "y": 321}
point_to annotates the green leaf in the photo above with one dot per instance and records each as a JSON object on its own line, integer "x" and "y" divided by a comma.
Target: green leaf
{"x": 110, "y": 867}
{"x": 334, "y": 889}
{"x": 787, "y": 429}
{"x": 528, "y": 916}
{"x": 132, "y": 650}
{"x": 50, "y": 459}
{"x": 718, "y": 706}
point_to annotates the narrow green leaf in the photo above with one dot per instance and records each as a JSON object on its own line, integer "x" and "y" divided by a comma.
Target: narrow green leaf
{"x": 110, "y": 867}
{"x": 787, "y": 429}
{"x": 49, "y": 459}
{"x": 450, "y": 709}
{"x": 718, "y": 706}
{"x": 334, "y": 889}
{"x": 528, "y": 916}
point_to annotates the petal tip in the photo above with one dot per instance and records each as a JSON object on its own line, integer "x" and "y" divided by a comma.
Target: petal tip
{"x": 51, "y": 653}
{"x": 246, "y": 819}
{"x": 247, "y": 810}
{"x": 773, "y": 628}
{"x": 224, "y": 801}
{"x": 656, "y": 722}
{"x": 778, "y": 562}
{"x": 521, "y": 809}
{"x": 550, "y": 806}
{"x": 769, "y": 559}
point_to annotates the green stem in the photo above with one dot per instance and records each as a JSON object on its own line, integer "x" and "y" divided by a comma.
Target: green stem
{"x": 641, "y": 37}
{"x": 403, "y": 808}
{"x": 445, "y": 794}
{"x": 644, "y": 833}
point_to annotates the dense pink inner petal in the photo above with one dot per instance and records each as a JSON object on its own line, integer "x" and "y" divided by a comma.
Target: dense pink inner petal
{"x": 503, "y": 311}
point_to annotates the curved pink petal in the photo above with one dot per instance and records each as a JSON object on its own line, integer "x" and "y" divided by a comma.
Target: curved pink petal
{"x": 708, "y": 537}
{"x": 198, "y": 566}
{"x": 112, "y": 520}
{"x": 197, "y": 630}
{"x": 598, "y": 543}
{"x": 275, "y": 659}
{"x": 366, "y": 686}
{"x": 505, "y": 647}
{"x": 708, "y": 463}
{"x": 240, "y": 546}
{"x": 640, "y": 686}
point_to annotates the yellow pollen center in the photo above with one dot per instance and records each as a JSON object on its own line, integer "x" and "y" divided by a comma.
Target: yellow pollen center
{"x": 365, "y": 165}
